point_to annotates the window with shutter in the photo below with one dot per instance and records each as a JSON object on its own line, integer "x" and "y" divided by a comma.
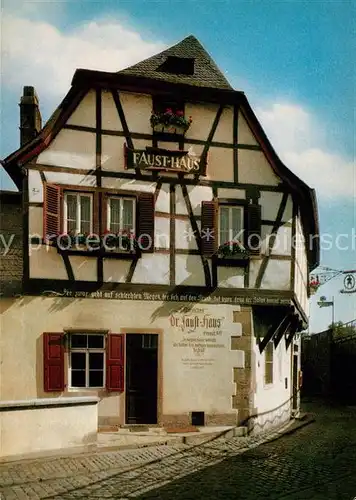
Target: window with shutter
{"x": 53, "y": 362}
{"x": 86, "y": 360}
{"x": 115, "y": 359}
{"x": 146, "y": 222}
{"x": 209, "y": 236}
{"x": 51, "y": 211}
{"x": 78, "y": 213}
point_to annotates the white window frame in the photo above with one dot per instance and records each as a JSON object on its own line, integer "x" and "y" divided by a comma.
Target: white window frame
{"x": 231, "y": 208}
{"x": 78, "y": 214}
{"x": 87, "y": 350}
{"x": 271, "y": 345}
{"x": 121, "y": 198}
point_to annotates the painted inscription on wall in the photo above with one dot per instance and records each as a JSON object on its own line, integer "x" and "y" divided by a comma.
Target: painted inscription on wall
{"x": 199, "y": 332}
{"x": 214, "y": 298}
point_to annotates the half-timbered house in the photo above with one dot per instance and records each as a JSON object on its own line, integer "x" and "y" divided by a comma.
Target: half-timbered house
{"x": 166, "y": 254}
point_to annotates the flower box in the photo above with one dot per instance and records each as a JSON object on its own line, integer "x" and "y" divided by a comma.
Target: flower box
{"x": 233, "y": 250}
{"x": 109, "y": 244}
{"x": 170, "y": 122}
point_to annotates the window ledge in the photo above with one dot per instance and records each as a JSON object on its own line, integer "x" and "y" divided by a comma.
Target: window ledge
{"x": 100, "y": 252}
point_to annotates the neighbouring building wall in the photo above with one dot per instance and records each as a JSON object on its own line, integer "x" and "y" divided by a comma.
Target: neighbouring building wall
{"x": 11, "y": 250}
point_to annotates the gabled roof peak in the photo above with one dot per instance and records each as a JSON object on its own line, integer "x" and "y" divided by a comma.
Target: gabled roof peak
{"x": 185, "y": 62}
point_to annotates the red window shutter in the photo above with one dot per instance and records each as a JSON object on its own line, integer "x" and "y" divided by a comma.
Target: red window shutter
{"x": 115, "y": 357}
{"x": 53, "y": 362}
{"x": 253, "y": 240}
{"x": 209, "y": 231}
{"x": 146, "y": 222}
{"x": 51, "y": 211}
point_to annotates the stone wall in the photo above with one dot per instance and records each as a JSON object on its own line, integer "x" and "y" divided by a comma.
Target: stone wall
{"x": 11, "y": 243}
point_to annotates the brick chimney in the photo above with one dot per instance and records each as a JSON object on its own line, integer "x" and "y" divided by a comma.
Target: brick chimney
{"x": 30, "y": 116}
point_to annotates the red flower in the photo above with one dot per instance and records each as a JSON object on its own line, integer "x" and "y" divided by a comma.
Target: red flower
{"x": 169, "y": 111}
{"x": 179, "y": 113}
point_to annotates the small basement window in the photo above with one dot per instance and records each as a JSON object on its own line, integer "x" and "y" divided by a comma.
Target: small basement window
{"x": 198, "y": 418}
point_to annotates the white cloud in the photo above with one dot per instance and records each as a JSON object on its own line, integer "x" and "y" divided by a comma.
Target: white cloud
{"x": 299, "y": 141}
{"x": 36, "y": 53}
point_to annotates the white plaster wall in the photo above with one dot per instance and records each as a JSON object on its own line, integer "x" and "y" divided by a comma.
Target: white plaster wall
{"x": 46, "y": 263}
{"x": 231, "y": 277}
{"x": 116, "y": 270}
{"x": 283, "y": 242}
{"x": 162, "y": 202}
{"x": 43, "y": 429}
{"x": 301, "y": 268}
{"x": 35, "y": 187}
{"x": 109, "y": 115}
{"x": 35, "y": 225}
{"x": 84, "y": 268}
{"x": 199, "y": 381}
{"x": 153, "y": 269}
{"x": 185, "y": 238}
{"x": 244, "y": 133}
{"x": 255, "y": 265}
{"x": 270, "y": 396}
{"x": 232, "y": 194}
{"x": 196, "y": 194}
{"x": 72, "y": 149}
{"x": 71, "y": 179}
{"x": 270, "y": 202}
{"x": 189, "y": 270}
{"x": 129, "y": 185}
{"x": 84, "y": 113}
{"x": 224, "y": 130}
{"x": 277, "y": 275}
{"x": 162, "y": 234}
{"x": 112, "y": 153}
{"x": 137, "y": 109}
{"x": 203, "y": 116}
{"x": 255, "y": 169}
{"x": 220, "y": 165}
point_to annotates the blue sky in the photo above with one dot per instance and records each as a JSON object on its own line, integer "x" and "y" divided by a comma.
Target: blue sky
{"x": 293, "y": 59}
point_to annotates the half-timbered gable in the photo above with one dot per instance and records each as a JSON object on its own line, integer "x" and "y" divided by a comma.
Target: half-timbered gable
{"x": 162, "y": 230}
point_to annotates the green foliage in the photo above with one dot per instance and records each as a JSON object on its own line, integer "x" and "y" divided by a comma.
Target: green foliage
{"x": 342, "y": 330}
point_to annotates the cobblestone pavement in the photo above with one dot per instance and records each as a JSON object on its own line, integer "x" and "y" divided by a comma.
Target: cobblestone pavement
{"x": 316, "y": 462}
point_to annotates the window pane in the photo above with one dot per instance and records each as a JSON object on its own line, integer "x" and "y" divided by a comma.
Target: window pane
{"x": 78, "y": 378}
{"x": 71, "y": 200}
{"x": 128, "y": 215}
{"x": 96, "y": 378}
{"x": 78, "y": 341}
{"x": 224, "y": 224}
{"x": 114, "y": 215}
{"x": 85, "y": 214}
{"x": 77, "y": 360}
{"x": 96, "y": 341}
{"x": 236, "y": 223}
{"x": 96, "y": 360}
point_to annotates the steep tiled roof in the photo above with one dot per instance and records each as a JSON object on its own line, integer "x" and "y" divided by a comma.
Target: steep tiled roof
{"x": 206, "y": 72}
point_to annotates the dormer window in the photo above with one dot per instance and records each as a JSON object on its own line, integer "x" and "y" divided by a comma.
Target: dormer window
{"x": 177, "y": 65}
